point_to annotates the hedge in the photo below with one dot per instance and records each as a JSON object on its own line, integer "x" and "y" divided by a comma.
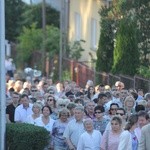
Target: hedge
{"x": 21, "y": 136}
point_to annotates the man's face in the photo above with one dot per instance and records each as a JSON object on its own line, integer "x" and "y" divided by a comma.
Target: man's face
{"x": 102, "y": 100}
{"x": 121, "y": 114}
{"x": 25, "y": 102}
{"x": 34, "y": 91}
{"x": 142, "y": 121}
{"x": 78, "y": 115}
{"x": 90, "y": 107}
{"x": 15, "y": 98}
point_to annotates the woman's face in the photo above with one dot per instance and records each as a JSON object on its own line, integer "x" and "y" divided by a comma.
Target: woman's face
{"x": 115, "y": 126}
{"x": 88, "y": 126}
{"x": 36, "y": 110}
{"x": 91, "y": 89}
{"x": 50, "y": 101}
{"x": 46, "y": 112}
{"x": 63, "y": 117}
{"x": 98, "y": 114}
{"x": 130, "y": 103}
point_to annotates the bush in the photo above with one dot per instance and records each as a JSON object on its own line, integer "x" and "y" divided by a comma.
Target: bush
{"x": 26, "y": 137}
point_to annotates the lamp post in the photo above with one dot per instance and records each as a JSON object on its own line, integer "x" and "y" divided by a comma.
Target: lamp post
{"x": 60, "y": 42}
{"x": 2, "y": 76}
{"x": 44, "y": 35}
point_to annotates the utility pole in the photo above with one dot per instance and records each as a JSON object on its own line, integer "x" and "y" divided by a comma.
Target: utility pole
{"x": 2, "y": 76}
{"x": 60, "y": 42}
{"x": 44, "y": 35}
{"x": 63, "y": 33}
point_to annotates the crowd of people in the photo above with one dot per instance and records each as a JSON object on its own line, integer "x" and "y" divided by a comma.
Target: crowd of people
{"x": 91, "y": 118}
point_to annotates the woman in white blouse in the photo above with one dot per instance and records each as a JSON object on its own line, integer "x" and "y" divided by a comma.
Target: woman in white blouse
{"x": 45, "y": 120}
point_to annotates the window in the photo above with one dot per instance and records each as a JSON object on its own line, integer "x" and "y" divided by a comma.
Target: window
{"x": 77, "y": 27}
{"x": 93, "y": 34}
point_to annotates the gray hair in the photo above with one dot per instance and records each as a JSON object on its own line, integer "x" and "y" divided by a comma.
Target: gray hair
{"x": 79, "y": 107}
{"x": 37, "y": 105}
{"x": 87, "y": 120}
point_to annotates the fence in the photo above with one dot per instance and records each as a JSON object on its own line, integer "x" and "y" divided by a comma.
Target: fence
{"x": 81, "y": 73}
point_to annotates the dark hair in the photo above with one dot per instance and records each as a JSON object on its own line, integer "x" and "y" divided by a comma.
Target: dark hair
{"x": 131, "y": 121}
{"x": 101, "y": 108}
{"x": 117, "y": 118}
{"x": 122, "y": 110}
{"x": 79, "y": 100}
{"x": 139, "y": 108}
{"x": 135, "y": 95}
{"x": 101, "y": 95}
{"x": 88, "y": 92}
{"x": 54, "y": 100}
{"x": 143, "y": 114}
{"x": 16, "y": 93}
{"x": 114, "y": 104}
{"x": 50, "y": 110}
{"x": 11, "y": 89}
{"x": 24, "y": 95}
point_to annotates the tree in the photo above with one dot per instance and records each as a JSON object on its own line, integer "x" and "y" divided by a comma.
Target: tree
{"x": 126, "y": 54}
{"x": 106, "y": 43}
{"x": 75, "y": 50}
{"x": 142, "y": 10}
{"x": 30, "y": 41}
{"x": 13, "y": 15}
{"x": 34, "y": 14}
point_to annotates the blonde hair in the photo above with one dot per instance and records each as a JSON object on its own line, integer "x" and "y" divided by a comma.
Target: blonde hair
{"x": 128, "y": 98}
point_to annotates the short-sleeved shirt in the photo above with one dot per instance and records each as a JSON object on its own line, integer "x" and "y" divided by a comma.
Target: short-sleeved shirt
{"x": 73, "y": 131}
{"x": 10, "y": 110}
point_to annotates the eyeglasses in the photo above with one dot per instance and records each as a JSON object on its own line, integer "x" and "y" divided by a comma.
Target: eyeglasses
{"x": 62, "y": 105}
{"x": 33, "y": 90}
{"x": 119, "y": 114}
{"x": 49, "y": 99}
{"x": 113, "y": 109}
{"x": 98, "y": 112}
{"x": 15, "y": 97}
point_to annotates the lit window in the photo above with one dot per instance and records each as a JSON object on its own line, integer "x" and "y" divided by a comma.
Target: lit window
{"x": 93, "y": 34}
{"x": 77, "y": 27}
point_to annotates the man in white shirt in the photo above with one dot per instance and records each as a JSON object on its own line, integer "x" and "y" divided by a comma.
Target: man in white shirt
{"x": 23, "y": 110}
{"x": 91, "y": 139}
{"x": 74, "y": 128}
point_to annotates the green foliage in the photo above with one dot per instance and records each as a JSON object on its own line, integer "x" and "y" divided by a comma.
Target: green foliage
{"x": 18, "y": 14}
{"x": 144, "y": 71}
{"x": 26, "y": 137}
{"x": 66, "y": 75}
{"x": 142, "y": 11}
{"x": 105, "y": 48}
{"x": 34, "y": 14}
{"x": 52, "y": 41}
{"x": 76, "y": 49}
{"x": 30, "y": 41}
{"x": 13, "y": 18}
{"x": 126, "y": 55}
